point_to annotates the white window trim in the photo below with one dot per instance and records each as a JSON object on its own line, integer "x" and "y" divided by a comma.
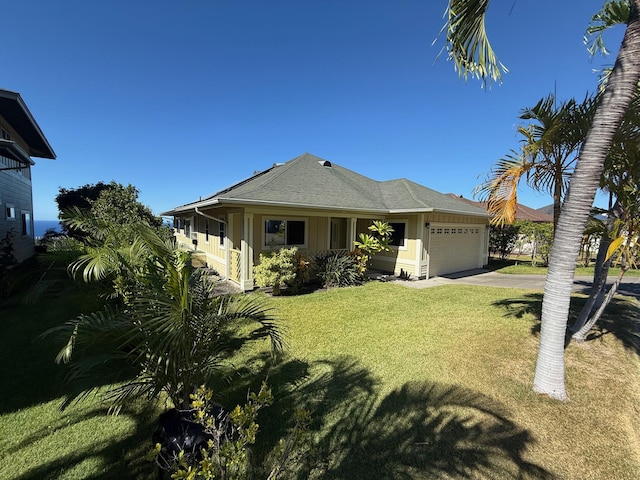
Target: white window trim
{"x": 406, "y": 231}
{"x": 13, "y": 210}
{"x": 28, "y": 223}
{"x": 266, "y": 218}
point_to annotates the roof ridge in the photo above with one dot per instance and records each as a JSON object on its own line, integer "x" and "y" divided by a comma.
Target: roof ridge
{"x": 405, "y": 183}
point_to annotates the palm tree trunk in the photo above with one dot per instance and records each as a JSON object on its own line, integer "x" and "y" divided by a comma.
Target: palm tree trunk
{"x": 549, "y": 376}
{"x": 581, "y": 334}
{"x": 600, "y": 272}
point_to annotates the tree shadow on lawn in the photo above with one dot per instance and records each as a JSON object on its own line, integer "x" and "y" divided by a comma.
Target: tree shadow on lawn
{"x": 619, "y": 318}
{"x": 422, "y": 430}
{"x": 123, "y": 458}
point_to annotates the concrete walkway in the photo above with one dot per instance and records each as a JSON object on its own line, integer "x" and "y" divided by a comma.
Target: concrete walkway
{"x": 629, "y": 286}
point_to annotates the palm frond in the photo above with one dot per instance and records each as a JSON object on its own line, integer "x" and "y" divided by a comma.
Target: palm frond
{"x": 614, "y": 12}
{"x": 500, "y": 188}
{"x": 467, "y": 43}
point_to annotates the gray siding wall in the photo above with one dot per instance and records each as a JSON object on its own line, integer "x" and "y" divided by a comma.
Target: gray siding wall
{"x": 15, "y": 191}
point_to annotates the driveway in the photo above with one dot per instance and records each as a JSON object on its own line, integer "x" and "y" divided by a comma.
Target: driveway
{"x": 629, "y": 286}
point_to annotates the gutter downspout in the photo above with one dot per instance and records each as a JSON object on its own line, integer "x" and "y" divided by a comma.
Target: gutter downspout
{"x": 199, "y": 212}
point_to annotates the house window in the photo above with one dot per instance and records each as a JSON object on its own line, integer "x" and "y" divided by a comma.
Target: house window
{"x": 284, "y": 232}
{"x": 221, "y": 233}
{"x": 26, "y": 224}
{"x": 4, "y": 134}
{"x": 10, "y": 212}
{"x": 206, "y": 231}
{"x": 187, "y": 227}
{"x": 398, "y": 237}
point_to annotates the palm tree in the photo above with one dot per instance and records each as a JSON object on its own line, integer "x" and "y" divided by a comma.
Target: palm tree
{"x": 170, "y": 336}
{"x": 468, "y": 46}
{"x": 549, "y": 147}
{"x": 613, "y": 103}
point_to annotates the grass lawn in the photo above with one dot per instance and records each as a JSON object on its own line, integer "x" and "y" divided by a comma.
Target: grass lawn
{"x": 401, "y": 383}
{"x": 523, "y": 267}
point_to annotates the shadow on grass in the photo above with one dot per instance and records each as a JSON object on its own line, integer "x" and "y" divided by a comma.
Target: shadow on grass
{"x": 29, "y": 373}
{"x": 619, "y": 318}
{"x": 421, "y": 430}
{"x": 122, "y": 458}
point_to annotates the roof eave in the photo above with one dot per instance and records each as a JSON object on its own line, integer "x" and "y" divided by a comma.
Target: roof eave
{"x": 235, "y": 201}
{"x": 28, "y": 128}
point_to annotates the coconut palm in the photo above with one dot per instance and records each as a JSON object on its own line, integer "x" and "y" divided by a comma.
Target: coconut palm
{"x": 171, "y": 336}
{"x": 615, "y": 99}
{"x": 468, "y": 46}
{"x": 549, "y": 148}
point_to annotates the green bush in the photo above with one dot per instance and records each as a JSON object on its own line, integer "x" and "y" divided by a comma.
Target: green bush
{"x": 227, "y": 458}
{"x": 276, "y": 269}
{"x": 336, "y": 269}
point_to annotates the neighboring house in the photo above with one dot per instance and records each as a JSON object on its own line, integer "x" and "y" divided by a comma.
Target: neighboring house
{"x": 315, "y": 205}
{"x": 522, "y": 211}
{"x": 20, "y": 139}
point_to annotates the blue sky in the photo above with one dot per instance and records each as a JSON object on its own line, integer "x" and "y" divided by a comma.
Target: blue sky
{"x": 184, "y": 97}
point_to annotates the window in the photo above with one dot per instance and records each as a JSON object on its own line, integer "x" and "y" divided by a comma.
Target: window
{"x": 4, "y": 134}
{"x": 26, "y": 223}
{"x": 284, "y": 232}
{"x": 206, "y": 231}
{"x": 187, "y": 227}
{"x": 10, "y": 212}
{"x": 221, "y": 233}
{"x": 399, "y": 234}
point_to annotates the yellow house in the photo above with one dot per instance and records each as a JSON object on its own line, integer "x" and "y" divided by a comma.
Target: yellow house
{"x": 315, "y": 205}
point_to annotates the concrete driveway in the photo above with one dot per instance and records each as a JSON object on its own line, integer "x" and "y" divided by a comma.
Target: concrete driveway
{"x": 629, "y": 286}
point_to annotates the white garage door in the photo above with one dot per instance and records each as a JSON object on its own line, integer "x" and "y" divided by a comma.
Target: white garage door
{"x": 453, "y": 248}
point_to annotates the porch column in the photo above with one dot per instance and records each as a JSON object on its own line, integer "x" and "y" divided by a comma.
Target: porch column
{"x": 246, "y": 253}
{"x": 351, "y": 231}
{"x": 420, "y": 229}
{"x": 227, "y": 246}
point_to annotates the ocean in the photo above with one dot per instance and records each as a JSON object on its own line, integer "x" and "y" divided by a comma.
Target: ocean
{"x": 41, "y": 226}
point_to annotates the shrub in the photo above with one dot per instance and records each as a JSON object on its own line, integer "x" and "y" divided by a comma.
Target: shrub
{"x": 302, "y": 274}
{"x": 223, "y": 452}
{"x": 371, "y": 244}
{"x": 276, "y": 269}
{"x": 336, "y": 269}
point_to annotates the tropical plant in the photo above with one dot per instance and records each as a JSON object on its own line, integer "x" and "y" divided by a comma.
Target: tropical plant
{"x": 105, "y": 204}
{"x": 613, "y": 102}
{"x": 336, "y": 269}
{"x": 548, "y": 152}
{"x": 276, "y": 269}
{"x": 7, "y": 260}
{"x": 226, "y": 456}
{"x": 371, "y": 244}
{"x": 619, "y": 242}
{"x": 503, "y": 239}
{"x": 469, "y": 48}
{"x": 170, "y": 334}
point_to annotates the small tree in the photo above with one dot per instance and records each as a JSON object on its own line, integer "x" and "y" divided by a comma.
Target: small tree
{"x": 276, "y": 269}
{"x": 369, "y": 245}
{"x": 225, "y": 456}
{"x": 168, "y": 335}
{"x": 503, "y": 239}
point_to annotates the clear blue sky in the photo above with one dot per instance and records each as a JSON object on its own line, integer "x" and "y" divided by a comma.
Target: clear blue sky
{"x": 184, "y": 97}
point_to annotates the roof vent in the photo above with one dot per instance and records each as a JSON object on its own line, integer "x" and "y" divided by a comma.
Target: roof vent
{"x": 325, "y": 163}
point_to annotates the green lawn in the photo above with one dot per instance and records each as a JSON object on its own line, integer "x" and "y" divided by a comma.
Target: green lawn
{"x": 401, "y": 383}
{"x": 524, "y": 267}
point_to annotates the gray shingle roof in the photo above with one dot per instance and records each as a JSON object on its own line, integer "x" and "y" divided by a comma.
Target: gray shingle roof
{"x": 308, "y": 181}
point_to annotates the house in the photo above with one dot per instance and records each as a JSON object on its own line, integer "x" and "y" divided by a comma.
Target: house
{"x": 20, "y": 139}
{"x": 317, "y": 206}
{"x": 523, "y": 212}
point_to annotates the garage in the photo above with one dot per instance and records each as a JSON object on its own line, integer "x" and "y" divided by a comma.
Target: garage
{"x": 455, "y": 247}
